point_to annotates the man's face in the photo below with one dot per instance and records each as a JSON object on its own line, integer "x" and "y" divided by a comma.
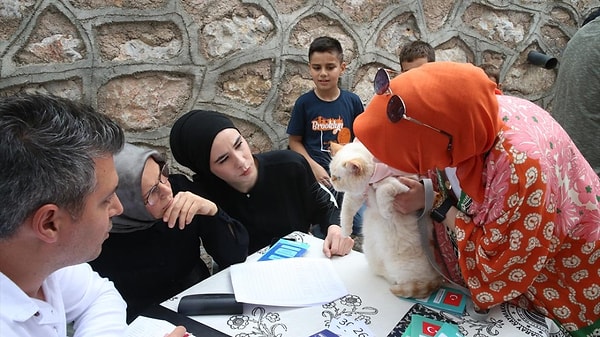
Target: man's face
{"x": 86, "y": 234}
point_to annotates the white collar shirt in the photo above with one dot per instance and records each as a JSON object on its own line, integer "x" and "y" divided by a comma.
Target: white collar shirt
{"x": 73, "y": 294}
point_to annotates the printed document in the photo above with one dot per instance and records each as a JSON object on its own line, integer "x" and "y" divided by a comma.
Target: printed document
{"x": 295, "y": 282}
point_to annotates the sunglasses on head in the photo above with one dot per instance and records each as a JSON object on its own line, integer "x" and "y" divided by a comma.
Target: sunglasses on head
{"x": 396, "y": 109}
{"x": 153, "y": 195}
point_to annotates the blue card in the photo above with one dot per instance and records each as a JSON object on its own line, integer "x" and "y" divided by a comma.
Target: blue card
{"x": 324, "y": 333}
{"x": 448, "y": 330}
{"x": 283, "y": 249}
{"x": 421, "y": 326}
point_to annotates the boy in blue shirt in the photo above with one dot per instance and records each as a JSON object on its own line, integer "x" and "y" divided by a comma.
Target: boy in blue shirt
{"x": 325, "y": 114}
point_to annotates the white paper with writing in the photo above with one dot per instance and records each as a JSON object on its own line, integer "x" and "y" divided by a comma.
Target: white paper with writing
{"x": 294, "y": 282}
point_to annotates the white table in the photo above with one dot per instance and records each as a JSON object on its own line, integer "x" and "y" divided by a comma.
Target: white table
{"x": 369, "y": 301}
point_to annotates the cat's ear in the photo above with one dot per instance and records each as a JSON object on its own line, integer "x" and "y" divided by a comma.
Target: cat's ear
{"x": 334, "y": 148}
{"x": 355, "y": 167}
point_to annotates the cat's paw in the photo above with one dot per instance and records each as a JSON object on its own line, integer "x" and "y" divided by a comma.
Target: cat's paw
{"x": 346, "y": 227}
{"x": 416, "y": 288}
{"x": 385, "y": 193}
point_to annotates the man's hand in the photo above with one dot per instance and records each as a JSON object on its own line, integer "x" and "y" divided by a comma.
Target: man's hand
{"x": 411, "y": 200}
{"x": 185, "y": 206}
{"x": 335, "y": 243}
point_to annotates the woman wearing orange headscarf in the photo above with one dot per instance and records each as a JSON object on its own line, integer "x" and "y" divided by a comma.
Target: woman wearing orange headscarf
{"x": 514, "y": 196}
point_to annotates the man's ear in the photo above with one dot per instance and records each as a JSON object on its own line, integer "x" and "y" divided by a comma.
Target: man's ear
{"x": 46, "y": 221}
{"x": 334, "y": 148}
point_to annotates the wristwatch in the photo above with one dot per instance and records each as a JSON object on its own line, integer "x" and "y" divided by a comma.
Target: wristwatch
{"x": 439, "y": 214}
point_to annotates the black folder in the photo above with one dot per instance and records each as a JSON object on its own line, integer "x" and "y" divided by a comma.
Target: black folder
{"x": 198, "y": 329}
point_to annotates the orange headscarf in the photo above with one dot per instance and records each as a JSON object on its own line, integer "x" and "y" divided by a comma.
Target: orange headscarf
{"x": 457, "y": 98}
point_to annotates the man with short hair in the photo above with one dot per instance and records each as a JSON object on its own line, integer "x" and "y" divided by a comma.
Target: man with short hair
{"x": 58, "y": 182}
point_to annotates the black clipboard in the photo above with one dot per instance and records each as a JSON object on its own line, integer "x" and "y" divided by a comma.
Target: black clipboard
{"x": 198, "y": 329}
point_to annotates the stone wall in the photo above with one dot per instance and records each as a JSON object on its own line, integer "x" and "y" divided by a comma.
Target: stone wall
{"x": 146, "y": 62}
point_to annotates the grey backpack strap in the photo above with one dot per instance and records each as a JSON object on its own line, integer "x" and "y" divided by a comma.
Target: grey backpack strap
{"x": 423, "y": 224}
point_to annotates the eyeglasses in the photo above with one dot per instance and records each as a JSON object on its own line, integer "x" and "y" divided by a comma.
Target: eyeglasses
{"x": 381, "y": 83}
{"x": 396, "y": 109}
{"x": 153, "y": 195}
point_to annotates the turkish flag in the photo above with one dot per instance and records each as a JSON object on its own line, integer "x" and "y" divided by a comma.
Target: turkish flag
{"x": 453, "y": 298}
{"x": 430, "y": 329}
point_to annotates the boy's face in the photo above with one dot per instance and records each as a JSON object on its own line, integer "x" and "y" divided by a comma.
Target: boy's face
{"x": 408, "y": 65}
{"x": 325, "y": 70}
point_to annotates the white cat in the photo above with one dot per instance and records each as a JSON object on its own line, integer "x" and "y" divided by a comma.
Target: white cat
{"x": 392, "y": 243}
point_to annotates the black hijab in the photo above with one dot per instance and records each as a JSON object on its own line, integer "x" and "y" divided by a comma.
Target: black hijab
{"x": 192, "y": 137}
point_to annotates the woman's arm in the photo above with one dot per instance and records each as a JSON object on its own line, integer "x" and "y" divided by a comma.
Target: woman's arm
{"x": 224, "y": 238}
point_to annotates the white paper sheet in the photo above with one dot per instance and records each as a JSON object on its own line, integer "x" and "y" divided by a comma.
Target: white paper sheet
{"x": 150, "y": 327}
{"x": 293, "y": 282}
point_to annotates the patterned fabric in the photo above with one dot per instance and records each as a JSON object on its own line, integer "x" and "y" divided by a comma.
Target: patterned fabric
{"x": 532, "y": 233}
{"x": 446, "y": 252}
{"x": 534, "y": 240}
{"x": 505, "y": 320}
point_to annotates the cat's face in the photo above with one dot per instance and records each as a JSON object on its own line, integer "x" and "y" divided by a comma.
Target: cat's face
{"x": 351, "y": 167}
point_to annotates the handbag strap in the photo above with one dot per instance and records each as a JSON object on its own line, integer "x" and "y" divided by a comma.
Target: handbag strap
{"x": 423, "y": 223}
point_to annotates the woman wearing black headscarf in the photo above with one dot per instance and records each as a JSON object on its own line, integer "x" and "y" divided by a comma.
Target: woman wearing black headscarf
{"x": 271, "y": 193}
{"x": 147, "y": 258}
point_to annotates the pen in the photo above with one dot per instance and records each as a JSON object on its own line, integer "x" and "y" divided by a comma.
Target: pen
{"x": 274, "y": 240}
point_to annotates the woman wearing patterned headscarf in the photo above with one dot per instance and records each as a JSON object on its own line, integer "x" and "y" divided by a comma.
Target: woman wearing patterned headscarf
{"x": 146, "y": 256}
{"x": 514, "y": 196}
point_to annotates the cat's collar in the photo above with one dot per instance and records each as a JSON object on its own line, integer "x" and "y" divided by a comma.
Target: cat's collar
{"x": 383, "y": 171}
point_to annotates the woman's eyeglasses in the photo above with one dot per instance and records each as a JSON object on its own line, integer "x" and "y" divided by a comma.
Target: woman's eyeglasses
{"x": 153, "y": 195}
{"x": 396, "y": 109}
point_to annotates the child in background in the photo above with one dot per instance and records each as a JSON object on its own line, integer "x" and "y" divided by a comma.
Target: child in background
{"x": 494, "y": 74}
{"x": 415, "y": 54}
{"x": 325, "y": 114}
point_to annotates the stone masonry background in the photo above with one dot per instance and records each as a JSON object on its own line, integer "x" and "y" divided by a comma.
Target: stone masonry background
{"x": 146, "y": 62}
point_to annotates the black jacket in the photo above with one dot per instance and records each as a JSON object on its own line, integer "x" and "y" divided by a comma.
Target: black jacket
{"x": 152, "y": 265}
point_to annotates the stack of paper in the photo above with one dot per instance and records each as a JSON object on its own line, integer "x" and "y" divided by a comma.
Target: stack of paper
{"x": 296, "y": 282}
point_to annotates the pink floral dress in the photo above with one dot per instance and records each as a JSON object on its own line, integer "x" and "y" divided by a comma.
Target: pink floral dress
{"x": 534, "y": 241}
